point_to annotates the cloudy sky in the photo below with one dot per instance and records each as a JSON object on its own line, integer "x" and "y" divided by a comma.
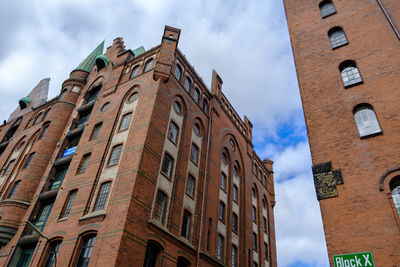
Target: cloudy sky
{"x": 245, "y": 41}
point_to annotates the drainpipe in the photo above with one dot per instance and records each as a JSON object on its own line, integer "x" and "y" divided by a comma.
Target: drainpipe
{"x": 396, "y": 31}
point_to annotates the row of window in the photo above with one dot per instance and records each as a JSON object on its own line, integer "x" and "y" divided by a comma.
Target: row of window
{"x": 147, "y": 67}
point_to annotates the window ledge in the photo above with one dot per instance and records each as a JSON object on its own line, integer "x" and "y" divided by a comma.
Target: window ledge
{"x": 95, "y": 216}
{"x": 62, "y": 161}
{"x": 371, "y": 135}
{"x": 12, "y": 202}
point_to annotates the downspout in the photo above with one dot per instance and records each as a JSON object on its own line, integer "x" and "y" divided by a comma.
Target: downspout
{"x": 204, "y": 189}
{"x": 396, "y": 31}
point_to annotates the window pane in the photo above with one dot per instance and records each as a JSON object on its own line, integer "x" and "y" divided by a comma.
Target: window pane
{"x": 9, "y": 167}
{"x": 159, "y": 209}
{"x": 126, "y": 119}
{"x": 178, "y": 72}
{"x": 135, "y": 71}
{"x": 350, "y": 75}
{"x": 366, "y": 121}
{"x": 194, "y": 154}
{"x": 115, "y": 155}
{"x": 188, "y": 84}
{"x": 96, "y": 130}
{"x": 196, "y": 96}
{"x": 265, "y": 251}
{"x": 185, "y": 224}
{"x": 173, "y": 132}
{"x": 70, "y": 201}
{"x": 220, "y": 247}
{"x": 14, "y": 188}
{"x": 190, "y": 186}
{"x": 223, "y": 181}
{"x": 167, "y": 165}
{"x": 337, "y": 38}
{"x": 41, "y": 216}
{"x": 53, "y": 252}
{"x": 84, "y": 163}
{"x": 234, "y": 222}
{"x": 205, "y": 106}
{"x": 254, "y": 241}
{"x": 221, "y": 214}
{"x": 148, "y": 65}
{"x": 254, "y": 214}
{"x": 327, "y": 9}
{"x": 396, "y": 196}
{"x": 235, "y": 193}
{"x": 44, "y": 131}
{"x": 58, "y": 177}
{"x": 102, "y": 196}
{"x": 86, "y": 251}
{"x": 234, "y": 256}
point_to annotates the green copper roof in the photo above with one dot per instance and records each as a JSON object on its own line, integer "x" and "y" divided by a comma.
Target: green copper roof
{"x": 102, "y": 58}
{"x": 24, "y": 102}
{"x": 138, "y": 51}
{"x": 89, "y": 61}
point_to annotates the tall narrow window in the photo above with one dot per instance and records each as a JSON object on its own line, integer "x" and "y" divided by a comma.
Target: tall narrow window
{"x": 38, "y": 118}
{"x": 84, "y": 163}
{"x": 220, "y": 247}
{"x": 13, "y": 189}
{"x": 190, "y": 185}
{"x": 223, "y": 181}
{"x": 148, "y": 65}
{"x": 92, "y": 94}
{"x": 41, "y": 217}
{"x": 395, "y": 188}
{"x": 337, "y": 37}
{"x": 266, "y": 251}
{"x": 327, "y": 8}
{"x": 188, "y": 84}
{"x": 86, "y": 250}
{"x": 235, "y": 223}
{"x": 178, "y": 72}
{"x": 235, "y": 193}
{"x": 159, "y": 208}
{"x": 28, "y": 160}
{"x": 68, "y": 205}
{"x": 350, "y": 74}
{"x": 185, "y": 224}
{"x": 45, "y": 114}
{"x": 366, "y": 121}
{"x": 194, "y": 154}
{"x": 126, "y": 119}
{"x": 135, "y": 71}
{"x": 196, "y": 95}
{"x": 254, "y": 214}
{"x": 265, "y": 225}
{"x": 254, "y": 241}
{"x": 62, "y": 94}
{"x": 173, "y": 132}
{"x": 152, "y": 251}
{"x": 96, "y": 130}
{"x": 9, "y": 167}
{"x": 116, "y": 151}
{"x": 221, "y": 212}
{"x": 52, "y": 254}
{"x": 205, "y": 106}
{"x": 44, "y": 131}
{"x": 234, "y": 256}
{"x": 167, "y": 165}
{"x": 102, "y": 196}
{"x": 58, "y": 177}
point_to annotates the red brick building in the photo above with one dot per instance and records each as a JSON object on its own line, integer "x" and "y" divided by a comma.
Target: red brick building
{"x": 347, "y": 56}
{"x": 135, "y": 163}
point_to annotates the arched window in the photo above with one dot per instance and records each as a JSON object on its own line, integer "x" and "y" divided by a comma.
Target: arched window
{"x": 188, "y": 84}
{"x": 196, "y": 95}
{"x": 151, "y": 259}
{"x": 148, "y": 65}
{"x": 54, "y": 246}
{"x": 395, "y": 189}
{"x": 350, "y": 73}
{"x": 182, "y": 262}
{"x": 366, "y": 120}
{"x": 178, "y": 72}
{"x": 135, "y": 71}
{"x": 327, "y": 8}
{"x": 337, "y": 37}
{"x": 86, "y": 248}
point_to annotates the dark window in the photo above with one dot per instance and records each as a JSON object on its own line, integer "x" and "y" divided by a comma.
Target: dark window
{"x": 182, "y": 262}
{"x": 350, "y": 73}
{"x": 188, "y": 84}
{"x": 68, "y": 206}
{"x": 185, "y": 224}
{"x": 223, "y": 181}
{"x": 152, "y": 252}
{"x": 177, "y": 108}
{"x": 102, "y": 196}
{"x": 327, "y": 8}
{"x": 148, "y": 65}
{"x": 196, "y": 95}
{"x": 92, "y": 95}
{"x": 159, "y": 208}
{"x": 190, "y": 185}
{"x": 84, "y": 163}
{"x": 264, "y": 224}
{"x": 96, "y": 130}
{"x": 234, "y": 256}
{"x": 178, "y": 72}
{"x": 82, "y": 120}
{"x": 254, "y": 214}
{"x": 86, "y": 250}
{"x": 26, "y": 255}
{"x": 45, "y": 114}
{"x": 337, "y": 37}
{"x": 58, "y": 177}
{"x": 105, "y": 107}
{"x": 52, "y": 254}
{"x": 116, "y": 151}
{"x": 235, "y": 193}
{"x": 135, "y": 71}
{"x": 167, "y": 165}
{"x": 205, "y": 106}
{"x": 395, "y": 189}
{"x": 10, "y": 133}
{"x": 44, "y": 131}
{"x": 14, "y": 189}
{"x": 38, "y": 118}
{"x": 235, "y": 170}
{"x": 220, "y": 247}
{"x": 196, "y": 129}
{"x": 221, "y": 213}
{"x": 9, "y": 167}
{"x": 366, "y": 121}
{"x": 126, "y": 119}
{"x": 60, "y": 98}
{"x": 41, "y": 217}
{"x": 194, "y": 154}
{"x": 254, "y": 241}
{"x": 266, "y": 251}
{"x": 173, "y": 132}
{"x": 235, "y": 222}
{"x": 224, "y": 160}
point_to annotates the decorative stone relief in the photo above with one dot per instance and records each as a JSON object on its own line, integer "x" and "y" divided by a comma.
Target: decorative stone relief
{"x": 326, "y": 180}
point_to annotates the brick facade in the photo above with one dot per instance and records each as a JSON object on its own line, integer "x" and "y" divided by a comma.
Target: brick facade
{"x": 81, "y": 193}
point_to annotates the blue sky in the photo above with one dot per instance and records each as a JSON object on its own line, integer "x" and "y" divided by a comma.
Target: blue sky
{"x": 245, "y": 41}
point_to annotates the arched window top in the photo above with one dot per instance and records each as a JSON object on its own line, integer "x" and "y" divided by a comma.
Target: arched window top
{"x": 350, "y": 73}
{"x": 395, "y": 190}
{"x": 135, "y": 71}
{"x": 337, "y": 37}
{"x": 366, "y": 121}
{"x": 178, "y": 72}
{"x": 188, "y": 84}
{"x": 327, "y": 8}
{"x": 148, "y": 65}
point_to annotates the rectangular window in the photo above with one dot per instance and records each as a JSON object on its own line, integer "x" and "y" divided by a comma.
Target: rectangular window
{"x": 254, "y": 214}
{"x": 266, "y": 251}
{"x": 96, "y": 130}
{"x": 84, "y": 163}
{"x": 92, "y": 95}
{"x": 116, "y": 151}
{"x": 70, "y": 201}
{"x": 190, "y": 185}
{"x": 53, "y": 252}
{"x": 126, "y": 119}
{"x": 264, "y": 225}
{"x": 41, "y": 217}
{"x": 83, "y": 118}
{"x": 167, "y": 165}
{"x": 235, "y": 223}
{"x": 220, "y": 247}
{"x": 9, "y": 167}
{"x": 159, "y": 209}
{"x": 58, "y": 177}
{"x": 234, "y": 256}
{"x": 254, "y": 241}
{"x": 196, "y": 96}
{"x": 173, "y": 132}
{"x": 86, "y": 250}
{"x": 221, "y": 214}
{"x": 102, "y": 196}
{"x": 44, "y": 131}
{"x": 194, "y": 154}
{"x": 223, "y": 181}
{"x": 28, "y": 160}
{"x": 14, "y": 189}
{"x": 185, "y": 224}
{"x": 205, "y": 106}
{"x": 235, "y": 193}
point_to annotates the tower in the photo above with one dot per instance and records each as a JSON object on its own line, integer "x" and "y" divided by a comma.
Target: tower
{"x": 347, "y": 56}
{"x": 135, "y": 163}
